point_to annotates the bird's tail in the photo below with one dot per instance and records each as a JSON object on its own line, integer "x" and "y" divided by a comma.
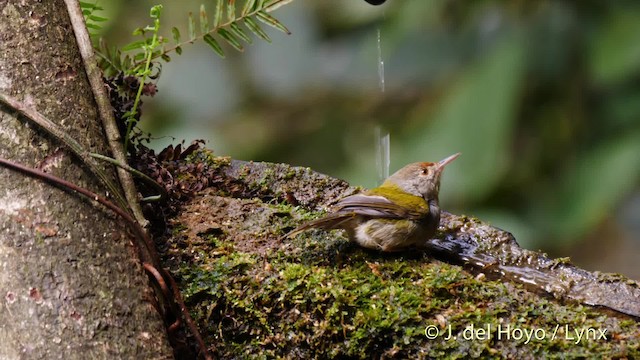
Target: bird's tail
{"x": 331, "y": 221}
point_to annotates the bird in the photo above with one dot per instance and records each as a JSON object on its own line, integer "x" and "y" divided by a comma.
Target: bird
{"x": 401, "y": 213}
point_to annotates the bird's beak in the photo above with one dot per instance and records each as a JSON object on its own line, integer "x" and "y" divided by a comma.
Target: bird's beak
{"x": 442, "y": 163}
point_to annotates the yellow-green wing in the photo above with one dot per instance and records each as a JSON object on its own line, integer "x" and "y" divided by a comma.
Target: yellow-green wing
{"x": 378, "y": 206}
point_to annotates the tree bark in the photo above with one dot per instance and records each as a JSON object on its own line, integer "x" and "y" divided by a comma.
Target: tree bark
{"x": 70, "y": 282}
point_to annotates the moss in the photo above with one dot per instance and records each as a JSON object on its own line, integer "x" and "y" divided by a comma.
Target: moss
{"x": 256, "y": 295}
{"x": 362, "y": 304}
{"x": 289, "y": 174}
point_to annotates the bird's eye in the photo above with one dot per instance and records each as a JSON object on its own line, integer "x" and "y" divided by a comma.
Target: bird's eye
{"x": 424, "y": 171}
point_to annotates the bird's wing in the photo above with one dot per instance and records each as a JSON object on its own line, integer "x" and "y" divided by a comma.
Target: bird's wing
{"x": 377, "y": 207}
{"x": 351, "y": 207}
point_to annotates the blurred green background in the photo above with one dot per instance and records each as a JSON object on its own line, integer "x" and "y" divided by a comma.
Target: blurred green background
{"x": 541, "y": 97}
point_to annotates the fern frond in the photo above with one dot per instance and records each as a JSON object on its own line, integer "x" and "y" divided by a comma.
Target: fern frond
{"x": 93, "y": 21}
{"x": 234, "y": 30}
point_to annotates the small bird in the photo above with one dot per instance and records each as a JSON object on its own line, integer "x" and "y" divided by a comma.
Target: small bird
{"x": 401, "y": 213}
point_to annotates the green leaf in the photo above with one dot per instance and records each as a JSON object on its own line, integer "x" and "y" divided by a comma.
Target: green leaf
{"x": 179, "y": 50}
{"x": 139, "y": 57}
{"x": 156, "y": 53}
{"x": 255, "y": 28}
{"x": 275, "y": 4}
{"x": 97, "y": 18}
{"x": 93, "y": 26}
{"x": 230, "y": 39}
{"x": 165, "y": 57}
{"x": 176, "y": 34}
{"x": 125, "y": 63}
{"x": 248, "y": 7}
{"x": 231, "y": 10}
{"x": 271, "y": 21}
{"x": 90, "y": 6}
{"x": 218, "y": 15}
{"x": 155, "y": 11}
{"x": 204, "y": 20}
{"x": 214, "y": 44}
{"x": 134, "y": 45}
{"x": 117, "y": 60}
{"x": 86, "y": 5}
{"x": 192, "y": 28}
{"x": 237, "y": 31}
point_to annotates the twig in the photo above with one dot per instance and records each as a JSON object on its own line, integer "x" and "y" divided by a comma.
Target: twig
{"x": 104, "y": 106}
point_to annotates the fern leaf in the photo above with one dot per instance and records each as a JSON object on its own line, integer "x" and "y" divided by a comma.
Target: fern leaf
{"x": 155, "y": 11}
{"x": 275, "y": 4}
{"x": 192, "y": 28}
{"x": 139, "y": 57}
{"x": 125, "y": 63}
{"x": 218, "y": 14}
{"x": 86, "y": 5}
{"x": 97, "y": 18}
{"x": 91, "y": 7}
{"x": 134, "y": 45}
{"x": 214, "y": 44}
{"x": 248, "y": 6}
{"x": 228, "y": 36}
{"x": 255, "y": 28}
{"x": 236, "y": 30}
{"x": 231, "y": 10}
{"x": 204, "y": 20}
{"x": 271, "y": 21}
{"x": 176, "y": 34}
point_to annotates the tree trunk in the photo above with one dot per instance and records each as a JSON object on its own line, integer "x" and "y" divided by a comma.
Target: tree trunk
{"x": 70, "y": 282}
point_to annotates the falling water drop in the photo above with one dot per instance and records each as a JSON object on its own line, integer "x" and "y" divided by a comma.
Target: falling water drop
{"x": 383, "y": 139}
{"x": 380, "y": 63}
{"x": 383, "y": 145}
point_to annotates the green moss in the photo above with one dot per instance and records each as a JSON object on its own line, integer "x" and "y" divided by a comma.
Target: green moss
{"x": 290, "y": 174}
{"x": 319, "y": 296}
{"x": 207, "y": 156}
{"x": 345, "y": 301}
